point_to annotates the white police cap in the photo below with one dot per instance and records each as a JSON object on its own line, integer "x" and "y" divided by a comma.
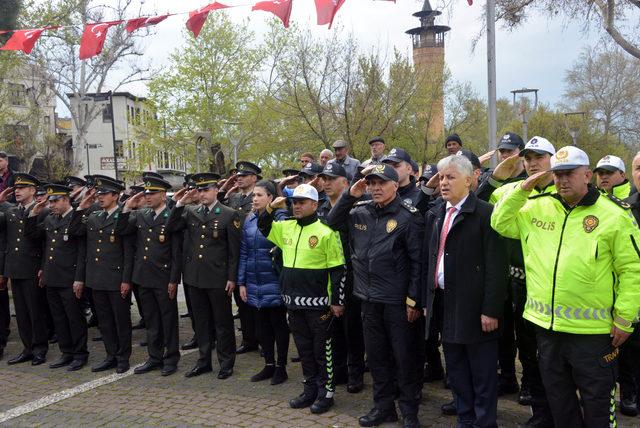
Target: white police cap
{"x": 610, "y": 163}
{"x": 539, "y": 145}
{"x": 569, "y": 157}
{"x": 305, "y": 191}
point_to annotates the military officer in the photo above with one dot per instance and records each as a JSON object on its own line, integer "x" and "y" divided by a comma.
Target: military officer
{"x": 108, "y": 270}
{"x": 210, "y": 269}
{"x": 156, "y": 270}
{"x": 21, "y": 265}
{"x": 63, "y": 270}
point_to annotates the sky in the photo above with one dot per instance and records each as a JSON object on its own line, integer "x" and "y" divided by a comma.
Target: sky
{"x": 534, "y": 56}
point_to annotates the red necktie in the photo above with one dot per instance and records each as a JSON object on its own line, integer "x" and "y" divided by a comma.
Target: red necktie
{"x": 443, "y": 239}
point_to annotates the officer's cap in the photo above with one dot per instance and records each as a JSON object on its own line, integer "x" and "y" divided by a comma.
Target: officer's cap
{"x": 428, "y": 172}
{"x": 188, "y": 181}
{"x": 107, "y": 185}
{"x": 154, "y": 185}
{"x": 383, "y": 171}
{"x": 332, "y": 169}
{"x": 41, "y": 191}
{"x": 74, "y": 181}
{"x": 247, "y": 168}
{"x": 56, "y": 191}
{"x": 539, "y": 145}
{"x": 569, "y": 157}
{"x": 475, "y": 161}
{"x": 136, "y": 188}
{"x": 311, "y": 170}
{"x": 305, "y": 191}
{"x": 376, "y": 140}
{"x": 205, "y": 180}
{"x": 397, "y": 155}
{"x": 146, "y": 174}
{"x": 91, "y": 179}
{"x": 511, "y": 141}
{"x": 610, "y": 163}
{"x": 290, "y": 171}
{"x": 22, "y": 179}
{"x": 414, "y": 166}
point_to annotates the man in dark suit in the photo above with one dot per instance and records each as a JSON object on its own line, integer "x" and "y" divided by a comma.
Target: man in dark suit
{"x": 211, "y": 263}
{"x": 156, "y": 270}
{"x": 108, "y": 270}
{"x": 63, "y": 270}
{"x": 464, "y": 288}
{"x": 22, "y": 263}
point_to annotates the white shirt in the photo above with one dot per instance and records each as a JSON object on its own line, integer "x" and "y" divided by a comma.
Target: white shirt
{"x": 453, "y": 217}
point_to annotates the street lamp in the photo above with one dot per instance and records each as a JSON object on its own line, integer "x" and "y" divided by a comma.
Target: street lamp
{"x": 521, "y": 107}
{"x": 573, "y": 130}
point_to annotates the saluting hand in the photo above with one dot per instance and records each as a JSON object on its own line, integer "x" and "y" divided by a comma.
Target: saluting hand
{"x": 4, "y": 195}
{"x": 134, "y": 201}
{"x": 88, "y": 200}
{"x": 278, "y": 203}
{"x": 190, "y": 197}
{"x": 359, "y": 188}
{"x": 315, "y": 182}
{"x": 506, "y": 168}
{"x": 172, "y": 289}
{"x": 179, "y": 194}
{"x": 74, "y": 194}
{"x": 434, "y": 182}
{"x": 488, "y": 324}
{"x": 37, "y": 208}
{"x": 536, "y": 179}
{"x": 486, "y": 157}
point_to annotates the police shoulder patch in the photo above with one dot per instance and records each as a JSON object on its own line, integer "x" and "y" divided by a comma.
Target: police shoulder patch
{"x": 361, "y": 203}
{"x": 409, "y": 207}
{"x": 618, "y": 202}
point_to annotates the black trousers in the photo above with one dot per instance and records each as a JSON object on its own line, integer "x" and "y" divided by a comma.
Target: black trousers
{"x": 312, "y": 336}
{"x": 273, "y": 329}
{"x": 187, "y": 298}
{"x": 474, "y": 381}
{"x": 69, "y": 321}
{"x": 211, "y": 308}
{"x": 135, "y": 288}
{"x": 48, "y": 317}
{"x": 30, "y": 316}
{"x": 114, "y": 321}
{"x": 348, "y": 342}
{"x": 390, "y": 341}
{"x": 247, "y": 319}
{"x": 507, "y": 342}
{"x": 628, "y": 368}
{"x": 5, "y": 317}
{"x": 161, "y": 318}
{"x": 570, "y": 362}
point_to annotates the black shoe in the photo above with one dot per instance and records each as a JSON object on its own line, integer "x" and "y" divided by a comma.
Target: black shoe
{"x": 147, "y": 367}
{"x": 168, "y": 370}
{"x": 97, "y": 339}
{"x": 301, "y": 401}
{"x": 322, "y": 405}
{"x": 105, "y": 365}
{"x": 506, "y": 387}
{"x": 296, "y": 359}
{"x": 264, "y": 374}
{"x": 139, "y": 326}
{"x": 198, "y": 370}
{"x": 432, "y": 373}
{"x": 410, "y": 421}
{"x": 246, "y": 347}
{"x": 187, "y": 315}
{"x": 279, "y": 376}
{"x": 53, "y": 339}
{"x": 340, "y": 378}
{"x": 536, "y": 421}
{"x": 64, "y": 360}
{"x": 122, "y": 367}
{"x": 1, "y": 352}
{"x": 76, "y": 365}
{"x": 629, "y": 406}
{"x": 38, "y": 359}
{"x": 449, "y": 409}
{"x": 355, "y": 385}
{"x": 21, "y": 358}
{"x": 192, "y": 344}
{"x": 143, "y": 343}
{"x": 524, "y": 398}
{"x": 377, "y": 417}
{"x": 225, "y": 374}
{"x": 93, "y": 322}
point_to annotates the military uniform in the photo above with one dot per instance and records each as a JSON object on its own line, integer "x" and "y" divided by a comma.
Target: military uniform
{"x": 211, "y": 260}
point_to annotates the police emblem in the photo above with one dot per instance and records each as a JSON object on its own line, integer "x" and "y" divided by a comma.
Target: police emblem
{"x": 589, "y": 223}
{"x": 378, "y": 169}
{"x": 313, "y": 241}
{"x": 562, "y": 155}
{"x": 391, "y": 225}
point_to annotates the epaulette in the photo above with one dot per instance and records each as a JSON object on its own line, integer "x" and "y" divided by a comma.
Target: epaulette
{"x": 539, "y": 195}
{"x": 619, "y": 202}
{"x": 361, "y": 203}
{"x": 409, "y": 207}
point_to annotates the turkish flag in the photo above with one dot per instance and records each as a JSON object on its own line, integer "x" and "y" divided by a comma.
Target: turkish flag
{"x": 93, "y": 38}
{"x": 280, "y": 8}
{"x": 136, "y": 23}
{"x": 23, "y": 40}
{"x": 326, "y": 10}
{"x": 199, "y": 16}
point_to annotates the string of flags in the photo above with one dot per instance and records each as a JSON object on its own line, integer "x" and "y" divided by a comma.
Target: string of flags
{"x": 95, "y": 34}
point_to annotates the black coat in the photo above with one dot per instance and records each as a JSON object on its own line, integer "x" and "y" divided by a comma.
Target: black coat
{"x": 475, "y": 266}
{"x": 23, "y": 255}
{"x": 634, "y": 201}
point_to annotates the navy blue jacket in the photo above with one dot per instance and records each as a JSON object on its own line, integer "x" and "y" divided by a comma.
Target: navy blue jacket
{"x": 255, "y": 270}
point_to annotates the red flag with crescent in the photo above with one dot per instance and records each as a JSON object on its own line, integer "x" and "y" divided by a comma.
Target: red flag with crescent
{"x": 199, "y": 16}
{"x": 93, "y": 38}
{"x": 23, "y": 40}
{"x": 326, "y": 10}
{"x": 136, "y": 23}
{"x": 280, "y": 8}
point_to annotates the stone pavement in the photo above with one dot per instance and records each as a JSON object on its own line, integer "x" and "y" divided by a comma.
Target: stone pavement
{"x": 45, "y": 397}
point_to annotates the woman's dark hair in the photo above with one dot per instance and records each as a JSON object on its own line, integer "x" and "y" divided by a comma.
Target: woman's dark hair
{"x": 268, "y": 186}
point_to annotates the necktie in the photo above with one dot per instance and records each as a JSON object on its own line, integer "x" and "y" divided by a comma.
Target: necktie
{"x": 22, "y": 210}
{"x": 206, "y": 210}
{"x": 443, "y": 239}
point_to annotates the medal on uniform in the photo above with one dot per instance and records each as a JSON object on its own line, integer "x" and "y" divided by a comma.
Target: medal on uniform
{"x": 65, "y": 237}
{"x": 112, "y": 238}
{"x": 161, "y": 237}
{"x": 215, "y": 230}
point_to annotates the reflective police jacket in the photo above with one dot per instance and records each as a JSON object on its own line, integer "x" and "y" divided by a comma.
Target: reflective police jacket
{"x": 386, "y": 248}
{"x": 583, "y": 263}
{"x": 313, "y": 264}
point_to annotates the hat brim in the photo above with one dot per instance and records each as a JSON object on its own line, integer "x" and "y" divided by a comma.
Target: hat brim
{"x": 609, "y": 168}
{"x": 55, "y": 197}
{"x": 565, "y": 167}
{"x": 508, "y": 146}
{"x": 243, "y": 173}
{"x": 378, "y": 175}
{"x": 538, "y": 151}
{"x": 392, "y": 159}
{"x": 330, "y": 174}
{"x": 301, "y": 198}
{"x": 307, "y": 174}
{"x": 103, "y": 191}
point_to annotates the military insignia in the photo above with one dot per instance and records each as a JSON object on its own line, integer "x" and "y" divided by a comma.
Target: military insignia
{"x": 236, "y": 223}
{"x": 148, "y": 184}
{"x": 65, "y": 237}
{"x": 391, "y": 225}
{"x": 313, "y": 241}
{"x": 161, "y": 238}
{"x": 589, "y": 223}
{"x": 562, "y": 155}
{"x": 216, "y": 210}
{"x": 112, "y": 239}
{"x": 378, "y": 169}
{"x": 98, "y": 182}
{"x": 49, "y": 191}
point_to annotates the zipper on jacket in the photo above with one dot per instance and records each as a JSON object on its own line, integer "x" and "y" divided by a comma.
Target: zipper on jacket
{"x": 295, "y": 254}
{"x": 555, "y": 269}
{"x": 375, "y": 226}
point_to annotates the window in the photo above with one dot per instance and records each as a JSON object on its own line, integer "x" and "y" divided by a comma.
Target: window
{"x": 106, "y": 114}
{"x": 17, "y": 94}
{"x": 119, "y": 148}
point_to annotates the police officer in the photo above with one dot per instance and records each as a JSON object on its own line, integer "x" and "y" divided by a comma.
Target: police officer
{"x": 21, "y": 266}
{"x": 376, "y": 144}
{"x": 574, "y": 241}
{"x": 156, "y": 270}
{"x": 610, "y": 177}
{"x": 63, "y": 274}
{"x": 401, "y": 161}
{"x": 387, "y": 261}
{"x": 312, "y": 289}
{"x": 210, "y": 269}
{"x": 108, "y": 270}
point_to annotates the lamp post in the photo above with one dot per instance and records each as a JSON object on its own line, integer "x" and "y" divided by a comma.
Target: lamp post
{"x": 573, "y": 130}
{"x": 491, "y": 74}
{"x": 522, "y": 95}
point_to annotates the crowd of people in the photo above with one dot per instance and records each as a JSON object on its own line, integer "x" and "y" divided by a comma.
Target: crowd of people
{"x": 368, "y": 266}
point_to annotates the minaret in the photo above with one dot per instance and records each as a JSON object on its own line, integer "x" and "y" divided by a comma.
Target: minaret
{"x": 428, "y": 58}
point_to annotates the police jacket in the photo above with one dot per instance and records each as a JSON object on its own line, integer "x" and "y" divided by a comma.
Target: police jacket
{"x": 23, "y": 255}
{"x": 211, "y": 258}
{"x": 313, "y": 264}
{"x": 64, "y": 254}
{"x": 108, "y": 260}
{"x": 582, "y": 262}
{"x": 410, "y": 194}
{"x": 386, "y": 249}
{"x": 255, "y": 268}
{"x": 157, "y": 259}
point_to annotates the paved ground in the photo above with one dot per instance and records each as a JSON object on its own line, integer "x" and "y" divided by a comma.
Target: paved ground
{"x": 39, "y": 396}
